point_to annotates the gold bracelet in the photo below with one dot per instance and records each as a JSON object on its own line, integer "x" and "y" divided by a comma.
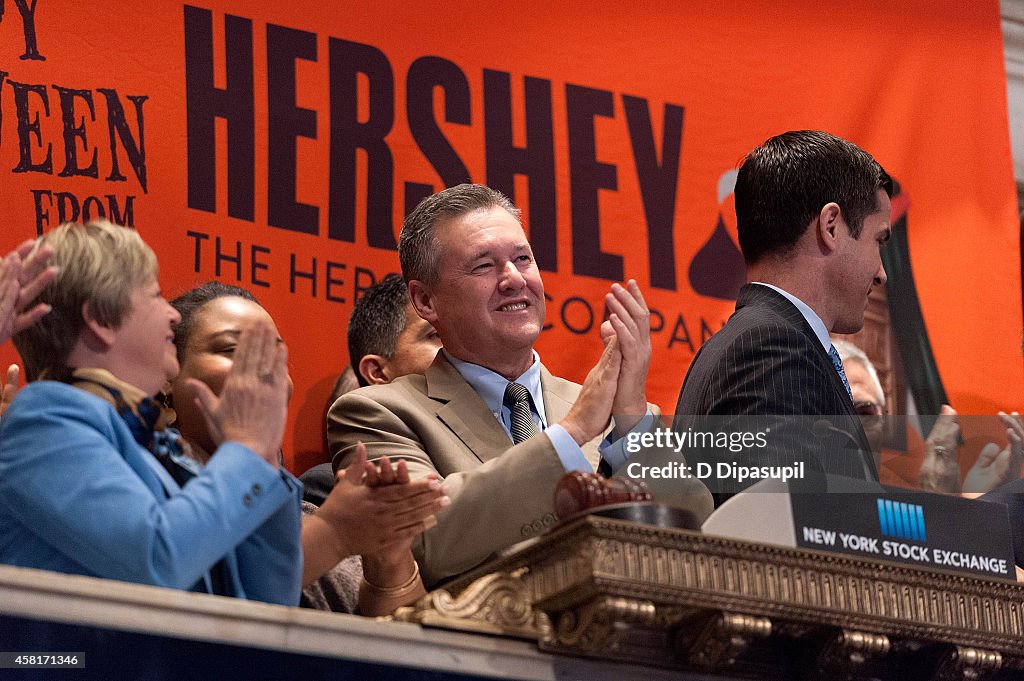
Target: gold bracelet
{"x": 394, "y": 591}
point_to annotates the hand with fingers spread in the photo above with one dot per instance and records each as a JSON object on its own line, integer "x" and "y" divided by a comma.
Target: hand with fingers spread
{"x": 10, "y": 388}
{"x": 391, "y": 576}
{"x": 373, "y": 513}
{"x": 387, "y": 474}
{"x": 996, "y": 468}
{"x": 251, "y": 408}
{"x": 23, "y": 274}
{"x": 589, "y": 415}
{"x": 629, "y": 321}
{"x": 940, "y": 470}
{"x": 373, "y": 517}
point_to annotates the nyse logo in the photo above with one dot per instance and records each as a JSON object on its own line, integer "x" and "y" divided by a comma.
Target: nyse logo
{"x": 900, "y": 520}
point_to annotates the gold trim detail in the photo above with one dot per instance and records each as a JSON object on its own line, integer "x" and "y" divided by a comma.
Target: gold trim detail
{"x": 851, "y": 653}
{"x": 592, "y": 627}
{"x": 967, "y": 664}
{"x": 723, "y": 638}
{"x": 498, "y": 603}
{"x": 620, "y": 590}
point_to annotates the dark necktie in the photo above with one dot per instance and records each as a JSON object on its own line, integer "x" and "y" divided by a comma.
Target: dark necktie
{"x": 838, "y": 364}
{"x": 517, "y": 399}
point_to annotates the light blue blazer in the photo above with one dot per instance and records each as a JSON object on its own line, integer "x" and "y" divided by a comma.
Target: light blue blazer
{"x": 79, "y": 495}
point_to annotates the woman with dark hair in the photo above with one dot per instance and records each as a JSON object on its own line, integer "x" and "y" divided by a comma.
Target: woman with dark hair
{"x": 371, "y": 512}
{"x": 91, "y": 480}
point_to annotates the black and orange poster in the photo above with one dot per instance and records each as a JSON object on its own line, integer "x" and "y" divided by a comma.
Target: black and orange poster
{"x": 278, "y": 146}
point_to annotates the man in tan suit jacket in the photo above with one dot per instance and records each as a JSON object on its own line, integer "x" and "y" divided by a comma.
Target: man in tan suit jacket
{"x": 472, "y": 275}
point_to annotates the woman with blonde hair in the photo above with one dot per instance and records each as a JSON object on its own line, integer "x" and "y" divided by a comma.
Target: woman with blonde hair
{"x": 91, "y": 480}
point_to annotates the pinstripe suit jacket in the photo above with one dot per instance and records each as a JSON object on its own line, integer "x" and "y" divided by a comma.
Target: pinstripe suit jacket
{"x": 767, "y": 369}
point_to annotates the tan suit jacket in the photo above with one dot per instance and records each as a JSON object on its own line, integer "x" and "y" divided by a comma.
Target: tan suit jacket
{"x": 501, "y": 493}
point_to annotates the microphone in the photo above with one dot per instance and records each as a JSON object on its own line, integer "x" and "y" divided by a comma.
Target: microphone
{"x": 823, "y": 428}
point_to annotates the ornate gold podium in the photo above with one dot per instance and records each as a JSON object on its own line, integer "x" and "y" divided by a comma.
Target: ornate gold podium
{"x": 611, "y": 589}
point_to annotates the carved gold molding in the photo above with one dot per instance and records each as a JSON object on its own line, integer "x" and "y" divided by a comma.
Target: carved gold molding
{"x": 848, "y": 653}
{"x": 594, "y": 626}
{"x": 619, "y": 590}
{"x": 498, "y": 603}
{"x": 724, "y": 636}
{"x": 967, "y": 664}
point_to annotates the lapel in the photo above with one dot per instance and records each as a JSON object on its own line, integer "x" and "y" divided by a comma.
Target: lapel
{"x": 145, "y": 465}
{"x": 168, "y": 485}
{"x": 463, "y": 412}
{"x": 557, "y": 401}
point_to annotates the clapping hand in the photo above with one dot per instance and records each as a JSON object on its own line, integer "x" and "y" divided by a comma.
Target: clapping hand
{"x": 23, "y": 274}
{"x": 629, "y": 320}
{"x": 589, "y": 414}
{"x": 996, "y": 468}
{"x": 251, "y": 408}
{"x": 940, "y": 470}
{"x": 380, "y": 510}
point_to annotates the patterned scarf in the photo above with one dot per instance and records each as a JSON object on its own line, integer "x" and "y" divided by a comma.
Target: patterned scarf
{"x": 143, "y": 415}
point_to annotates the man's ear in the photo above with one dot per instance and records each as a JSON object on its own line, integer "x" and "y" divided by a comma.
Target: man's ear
{"x": 374, "y": 369}
{"x": 422, "y": 300}
{"x": 96, "y": 334}
{"x": 827, "y": 225}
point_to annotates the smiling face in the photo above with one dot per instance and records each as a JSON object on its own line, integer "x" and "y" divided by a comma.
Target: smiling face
{"x": 859, "y": 267}
{"x": 488, "y": 302}
{"x": 208, "y": 356}
{"x": 142, "y": 348}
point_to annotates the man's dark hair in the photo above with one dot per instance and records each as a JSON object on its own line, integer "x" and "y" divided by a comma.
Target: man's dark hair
{"x": 377, "y": 320}
{"x": 193, "y": 300}
{"x": 417, "y": 245}
{"x": 783, "y": 184}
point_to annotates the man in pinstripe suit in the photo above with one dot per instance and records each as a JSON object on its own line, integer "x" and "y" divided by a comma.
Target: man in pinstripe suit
{"x": 812, "y": 212}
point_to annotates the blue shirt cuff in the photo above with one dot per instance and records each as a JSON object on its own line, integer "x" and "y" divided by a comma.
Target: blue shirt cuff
{"x": 568, "y": 451}
{"x": 614, "y": 452}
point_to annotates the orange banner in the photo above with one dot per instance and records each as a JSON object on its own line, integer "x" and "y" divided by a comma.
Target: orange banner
{"x": 279, "y": 145}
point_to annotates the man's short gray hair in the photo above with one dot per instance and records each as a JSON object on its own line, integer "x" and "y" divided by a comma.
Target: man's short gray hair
{"x": 418, "y": 246}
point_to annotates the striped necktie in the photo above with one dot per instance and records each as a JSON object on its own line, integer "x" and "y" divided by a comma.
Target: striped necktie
{"x": 517, "y": 399}
{"x": 838, "y": 364}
